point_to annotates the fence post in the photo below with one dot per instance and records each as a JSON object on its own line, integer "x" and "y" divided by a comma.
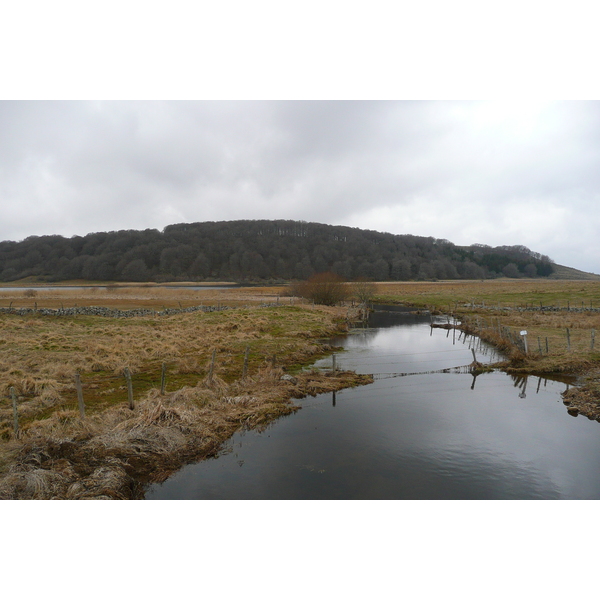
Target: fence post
{"x": 129, "y": 388}
{"x": 524, "y": 337}
{"x": 163, "y": 379}
{"x": 212, "y": 366}
{"x": 568, "y": 340}
{"x": 246, "y": 356}
{"x": 593, "y": 339}
{"x": 13, "y": 395}
{"x": 79, "y": 395}
{"x": 333, "y": 364}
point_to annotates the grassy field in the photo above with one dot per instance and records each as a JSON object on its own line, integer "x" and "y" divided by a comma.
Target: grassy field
{"x": 505, "y": 293}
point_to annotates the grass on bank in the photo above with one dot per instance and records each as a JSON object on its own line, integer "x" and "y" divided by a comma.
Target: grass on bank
{"x": 39, "y": 355}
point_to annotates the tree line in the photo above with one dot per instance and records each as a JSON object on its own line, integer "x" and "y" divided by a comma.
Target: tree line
{"x": 259, "y": 250}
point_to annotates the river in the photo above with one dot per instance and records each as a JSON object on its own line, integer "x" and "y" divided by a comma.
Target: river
{"x": 417, "y": 432}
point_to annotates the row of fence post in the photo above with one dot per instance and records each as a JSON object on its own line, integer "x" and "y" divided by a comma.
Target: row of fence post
{"x": 129, "y": 383}
{"x": 163, "y": 379}
{"x": 506, "y": 333}
{"x": 528, "y": 306}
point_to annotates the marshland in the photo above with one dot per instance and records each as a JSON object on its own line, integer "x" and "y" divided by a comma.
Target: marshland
{"x": 236, "y": 361}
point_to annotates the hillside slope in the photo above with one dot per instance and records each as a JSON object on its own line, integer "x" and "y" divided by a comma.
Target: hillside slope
{"x": 562, "y": 272}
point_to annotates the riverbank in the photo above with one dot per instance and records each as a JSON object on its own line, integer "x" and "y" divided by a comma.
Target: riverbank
{"x": 544, "y": 327}
{"x": 227, "y": 370}
{"x": 117, "y": 453}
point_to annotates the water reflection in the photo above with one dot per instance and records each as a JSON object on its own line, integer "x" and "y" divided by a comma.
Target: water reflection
{"x": 436, "y": 433}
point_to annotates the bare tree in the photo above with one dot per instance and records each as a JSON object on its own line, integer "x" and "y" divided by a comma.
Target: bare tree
{"x": 364, "y": 290}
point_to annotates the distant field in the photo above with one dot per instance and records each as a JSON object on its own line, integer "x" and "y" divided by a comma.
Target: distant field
{"x": 135, "y": 296}
{"x": 438, "y": 294}
{"x": 497, "y": 292}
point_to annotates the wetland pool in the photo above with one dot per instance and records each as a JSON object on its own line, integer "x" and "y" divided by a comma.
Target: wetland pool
{"x": 425, "y": 429}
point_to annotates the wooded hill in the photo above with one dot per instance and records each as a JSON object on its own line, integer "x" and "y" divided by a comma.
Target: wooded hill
{"x": 248, "y": 251}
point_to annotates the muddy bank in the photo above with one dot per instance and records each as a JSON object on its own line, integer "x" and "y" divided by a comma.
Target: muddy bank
{"x": 585, "y": 399}
{"x": 116, "y": 454}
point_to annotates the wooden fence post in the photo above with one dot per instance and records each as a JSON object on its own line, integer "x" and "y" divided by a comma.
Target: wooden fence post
{"x": 593, "y": 341}
{"x": 13, "y": 395}
{"x": 129, "y": 388}
{"x": 524, "y": 338}
{"x": 212, "y": 366}
{"x": 246, "y": 356}
{"x": 79, "y": 395}
{"x": 163, "y": 379}
{"x": 568, "y": 340}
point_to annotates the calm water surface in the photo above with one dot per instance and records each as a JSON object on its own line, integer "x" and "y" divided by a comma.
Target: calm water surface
{"x": 416, "y": 433}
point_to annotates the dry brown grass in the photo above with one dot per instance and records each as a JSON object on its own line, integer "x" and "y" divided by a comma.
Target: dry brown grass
{"x": 113, "y": 451}
{"x": 40, "y": 355}
{"x": 114, "y": 454}
{"x": 150, "y": 296}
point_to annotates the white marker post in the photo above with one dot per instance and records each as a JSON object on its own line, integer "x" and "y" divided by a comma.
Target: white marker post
{"x": 524, "y": 334}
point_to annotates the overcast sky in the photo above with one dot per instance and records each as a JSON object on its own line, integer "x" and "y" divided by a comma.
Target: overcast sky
{"x": 496, "y": 173}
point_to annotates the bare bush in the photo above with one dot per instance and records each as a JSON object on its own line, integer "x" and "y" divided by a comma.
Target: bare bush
{"x": 363, "y": 290}
{"x": 323, "y": 288}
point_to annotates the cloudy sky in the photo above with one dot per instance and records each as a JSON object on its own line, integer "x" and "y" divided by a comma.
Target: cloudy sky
{"x": 492, "y": 172}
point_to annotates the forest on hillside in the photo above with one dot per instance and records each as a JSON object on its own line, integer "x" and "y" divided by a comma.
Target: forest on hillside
{"x": 255, "y": 251}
